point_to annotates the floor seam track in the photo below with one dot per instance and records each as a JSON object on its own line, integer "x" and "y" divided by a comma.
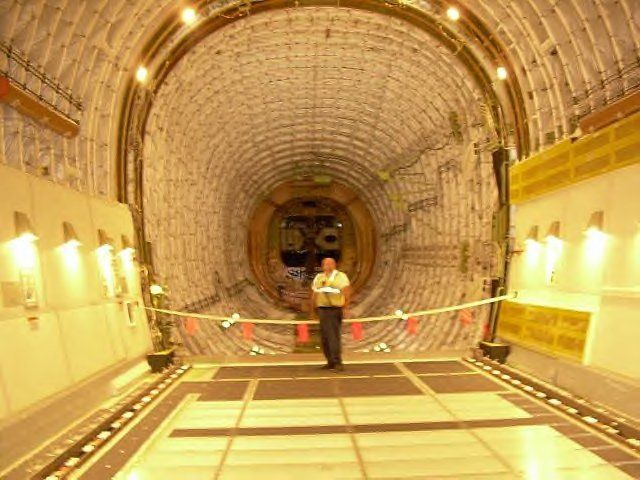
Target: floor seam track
{"x": 251, "y": 390}
{"x": 352, "y": 436}
{"x": 425, "y": 389}
{"x": 571, "y": 419}
{"x": 122, "y": 433}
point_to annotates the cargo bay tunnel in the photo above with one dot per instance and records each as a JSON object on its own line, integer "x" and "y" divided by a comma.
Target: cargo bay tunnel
{"x": 171, "y": 170}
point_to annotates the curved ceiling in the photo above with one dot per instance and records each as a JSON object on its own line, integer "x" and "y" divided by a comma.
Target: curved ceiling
{"x": 406, "y": 116}
{"x": 568, "y": 57}
{"x": 295, "y": 93}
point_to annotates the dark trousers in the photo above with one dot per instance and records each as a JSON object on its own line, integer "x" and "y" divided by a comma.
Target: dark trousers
{"x": 330, "y": 330}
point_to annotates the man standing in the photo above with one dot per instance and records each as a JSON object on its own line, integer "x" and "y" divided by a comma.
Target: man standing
{"x": 330, "y": 297}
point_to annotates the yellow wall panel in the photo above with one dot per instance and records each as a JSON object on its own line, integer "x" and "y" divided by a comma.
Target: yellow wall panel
{"x": 554, "y": 331}
{"x": 567, "y": 162}
{"x": 627, "y": 154}
{"x": 627, "y": 128}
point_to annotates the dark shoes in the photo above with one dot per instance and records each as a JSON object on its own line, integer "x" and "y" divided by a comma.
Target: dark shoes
{"x": 338, "y": 367}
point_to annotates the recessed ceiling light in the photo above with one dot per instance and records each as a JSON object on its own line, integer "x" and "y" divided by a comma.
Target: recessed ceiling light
{"x": 188, "y": 15}
{"x": 141, "y": 74}
{"x": 453, "y": 13}
{"x": 501, "y": 72}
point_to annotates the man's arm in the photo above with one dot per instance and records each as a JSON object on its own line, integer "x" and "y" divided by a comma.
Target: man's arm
{"x": 346, "y": 291}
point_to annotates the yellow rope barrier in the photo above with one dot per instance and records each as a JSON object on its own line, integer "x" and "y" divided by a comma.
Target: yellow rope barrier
{"x": 420, "y": 313}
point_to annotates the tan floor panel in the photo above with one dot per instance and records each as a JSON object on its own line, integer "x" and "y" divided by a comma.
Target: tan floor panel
{"x": 411, "y": 433}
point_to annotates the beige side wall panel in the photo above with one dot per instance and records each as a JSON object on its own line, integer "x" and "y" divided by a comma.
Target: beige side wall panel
{"x": 33, "y": 360}
{"x": 601, "y": 276}
{"x": 75, "y": 331}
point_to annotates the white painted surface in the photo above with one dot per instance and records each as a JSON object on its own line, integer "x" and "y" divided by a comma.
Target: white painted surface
{"x": 76, "y": 331}
{"x": 605, "y": 281}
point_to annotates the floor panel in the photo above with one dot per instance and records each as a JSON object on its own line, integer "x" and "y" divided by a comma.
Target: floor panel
{"x": 417, "y": 420}
{"x": 442, "y": 366}
{"x": 475, "y": 382}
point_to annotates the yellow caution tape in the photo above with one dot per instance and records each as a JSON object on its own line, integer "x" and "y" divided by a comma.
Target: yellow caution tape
{"x": 420, "y": 313}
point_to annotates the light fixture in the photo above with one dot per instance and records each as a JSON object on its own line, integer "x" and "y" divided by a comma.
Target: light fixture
{"x": 188, "y": 15}
{"x": 382, "y": 347}
{"x": 399, "y": 313}
{"x": 256, "y": 350}
{"x": 70, "y": 235}
{"x": 577, "y": 133}
{"x": 596, "y": 223}
{"x": 25, "y": 254}
{"x": 142, "y": 73}
{"x": 127, "y": 245}
{"x": 501, "y": 73}
{"x": 104, "y": 255}
{"x": 595, "y": 241}
{"x": 156, "y": 289}
{"x": 533, "y": 235}
{"x": 24, "y": 229}
{"x": 553, "y": 252}
{"x": 453, "y": 13}
{"x": 554, "y": 230}
{"x": 104, "y": 241}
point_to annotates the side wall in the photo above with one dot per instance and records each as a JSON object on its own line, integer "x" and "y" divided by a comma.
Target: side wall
{"x": 76, "y": 330}
{"x": 600, "y": 275}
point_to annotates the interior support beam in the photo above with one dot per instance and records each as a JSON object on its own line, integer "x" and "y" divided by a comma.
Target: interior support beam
{"x": 31, "y": 106}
